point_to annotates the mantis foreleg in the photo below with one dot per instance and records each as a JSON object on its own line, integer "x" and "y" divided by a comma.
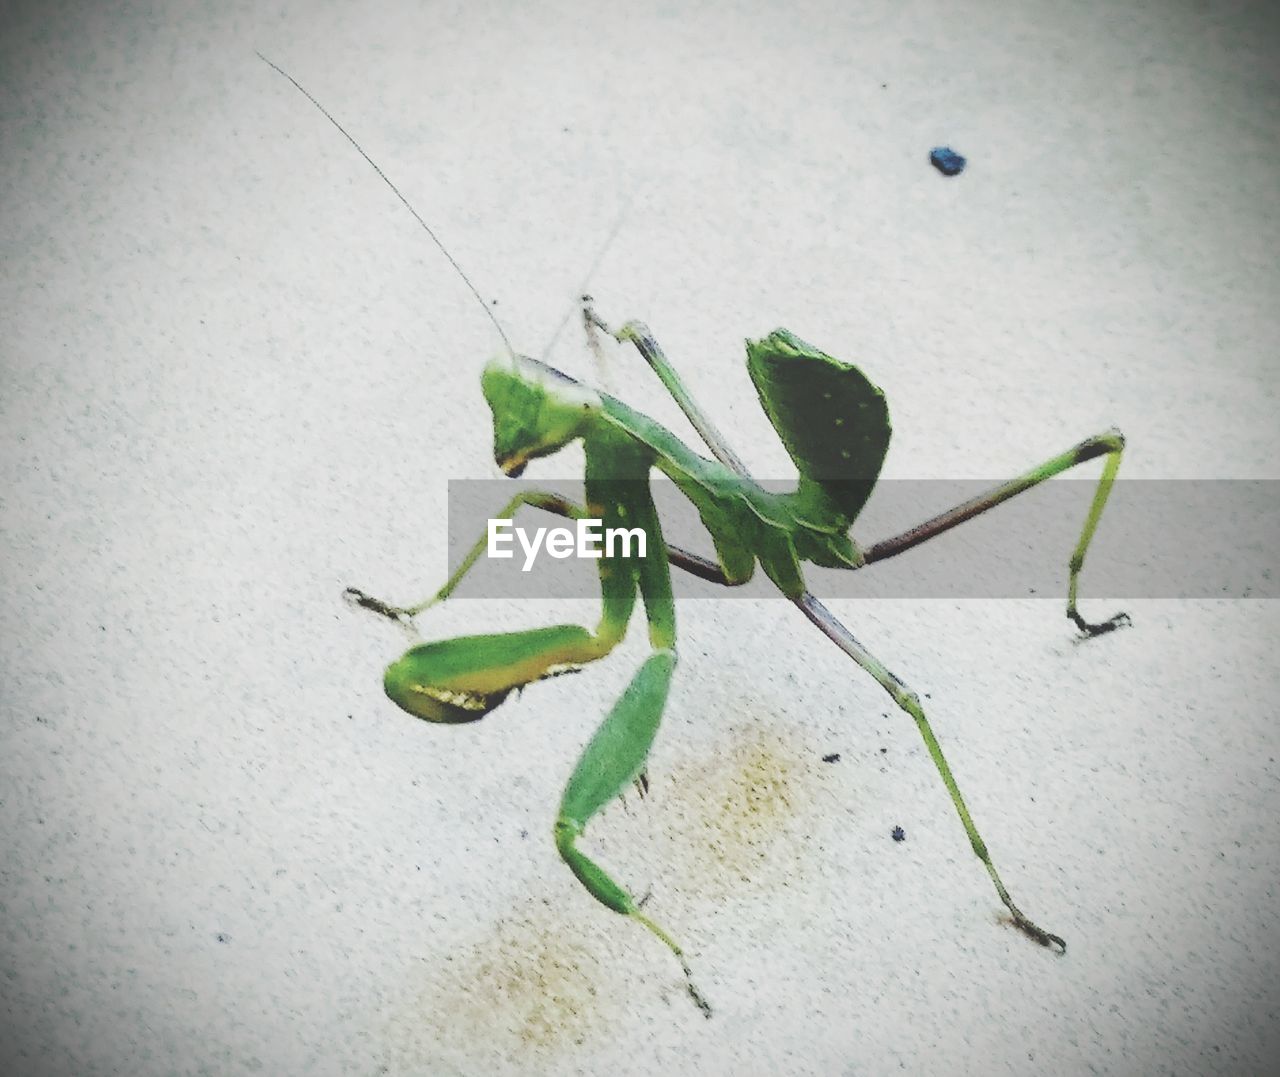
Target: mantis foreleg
{"x": 613, "y": 758}
{"x": 538, "y": 498}
{"x": 463, "y": 679}
{"x": 460, "y": 680}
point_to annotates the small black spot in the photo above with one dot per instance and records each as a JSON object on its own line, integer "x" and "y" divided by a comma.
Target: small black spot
{"x": 898, "y": 834}
{"x": 834, "y": 757}
{"x": 884, "y": 751}
{"x": 222, "y": 936}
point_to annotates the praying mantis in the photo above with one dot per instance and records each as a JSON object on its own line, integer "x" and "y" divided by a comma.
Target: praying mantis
{"x": 834, "y": 424}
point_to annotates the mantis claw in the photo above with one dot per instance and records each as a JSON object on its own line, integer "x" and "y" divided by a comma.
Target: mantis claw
{"x": 1027, "y": 926}
{"x": 1044, "y": 938}
{"x": 1088, "y": 629}
{"x": 699, "y": 999}
{"x": 355, "y": 597}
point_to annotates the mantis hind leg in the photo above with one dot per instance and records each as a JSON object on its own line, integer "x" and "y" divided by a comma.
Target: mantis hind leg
{"x": 834, "y": 630}
{"x": 1109, "y": 444}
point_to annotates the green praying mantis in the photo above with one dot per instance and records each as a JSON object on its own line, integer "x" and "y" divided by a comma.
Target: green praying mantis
{"x": 833, "y": 422}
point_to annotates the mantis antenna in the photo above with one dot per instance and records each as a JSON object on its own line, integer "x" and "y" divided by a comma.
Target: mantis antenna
{"x": 591, "y": 272}
{"x": 396, "y": 191}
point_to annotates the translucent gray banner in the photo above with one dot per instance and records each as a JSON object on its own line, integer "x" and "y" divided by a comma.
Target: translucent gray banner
{"x": 1157, "y": 539}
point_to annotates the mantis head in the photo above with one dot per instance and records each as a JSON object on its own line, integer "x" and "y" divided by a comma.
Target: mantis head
{"x": 536, "y": 410}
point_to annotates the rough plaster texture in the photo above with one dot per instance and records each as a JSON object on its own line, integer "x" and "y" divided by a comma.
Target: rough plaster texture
{"x": 236, "y": 378}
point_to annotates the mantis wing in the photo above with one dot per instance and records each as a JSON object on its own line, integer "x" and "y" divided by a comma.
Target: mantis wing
{"x": 833, "y": 421}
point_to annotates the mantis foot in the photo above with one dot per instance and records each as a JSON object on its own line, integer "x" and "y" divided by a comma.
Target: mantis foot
{"x": 592, "y": 321}
{"x": 1020, "y": 920}
{"x": 1088, "y": 630}
{"x": 367, "y": 602}
{"x": 699, "y": 999}
{"x": 1044, "y": 938}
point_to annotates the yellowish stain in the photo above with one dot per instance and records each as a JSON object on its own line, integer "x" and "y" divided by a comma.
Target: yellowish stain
{"x": 529, "y": 989}
{"x": 732, "y": 814}
{"x": 737, "y": 815}
{"x": 543, "y": 991}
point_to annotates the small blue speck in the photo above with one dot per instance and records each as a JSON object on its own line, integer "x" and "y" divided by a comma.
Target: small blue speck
{"x": 946, "y": 160}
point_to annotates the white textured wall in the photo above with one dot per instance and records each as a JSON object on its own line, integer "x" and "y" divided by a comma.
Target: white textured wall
{"x": 236, "y": 378}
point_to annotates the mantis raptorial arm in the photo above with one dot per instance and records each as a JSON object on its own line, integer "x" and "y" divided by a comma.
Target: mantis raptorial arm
{"x": 611, "y": 761}
{"x": 460, "y": 680}
{"x": 463, "y": 679}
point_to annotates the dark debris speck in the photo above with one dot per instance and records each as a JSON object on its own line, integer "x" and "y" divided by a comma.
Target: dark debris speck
{"x": 946, "y": 160}
{"x": 898, "y": 834}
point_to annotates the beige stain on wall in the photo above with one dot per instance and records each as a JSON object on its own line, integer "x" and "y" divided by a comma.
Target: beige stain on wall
{"x": 733, "y": 817}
